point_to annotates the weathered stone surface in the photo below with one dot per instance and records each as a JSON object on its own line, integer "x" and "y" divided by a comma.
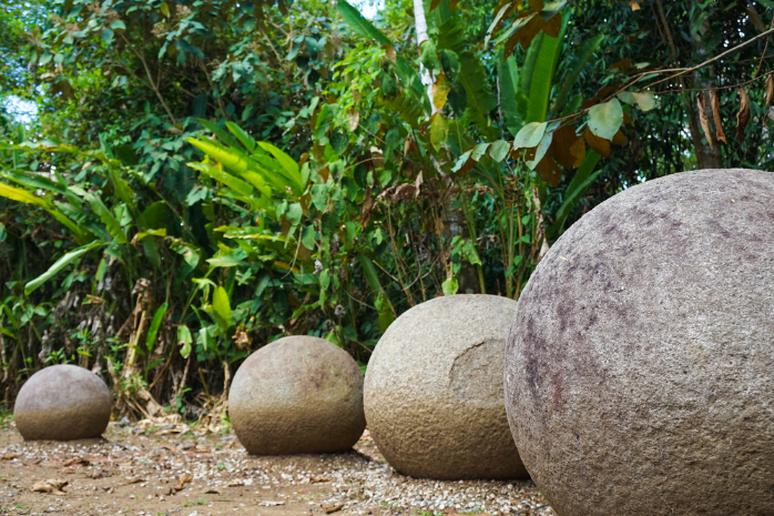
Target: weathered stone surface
{"x": 433, "y": 390}
{"x": 297, "y": 395}
{"x": 62, "y": 403}
{"x": 640, "y": 365}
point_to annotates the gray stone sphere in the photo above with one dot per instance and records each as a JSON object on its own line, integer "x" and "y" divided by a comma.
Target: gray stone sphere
{"x": 297, "y": 395}
{"x": 433, "y": 390}
{"x": 640, "y": 365}
{"x": 62, "y": 403}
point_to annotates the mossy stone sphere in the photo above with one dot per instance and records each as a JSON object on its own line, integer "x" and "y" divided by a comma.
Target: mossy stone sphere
{"x": 640, "y": 365}
{"x": 433, "y": 390}
{"x": 62, "y": 403}
{"x": 297, "y": 395}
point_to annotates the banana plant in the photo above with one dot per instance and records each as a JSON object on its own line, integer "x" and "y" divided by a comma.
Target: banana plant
{"x": 89, "y": 220}
{"x": 258, "y": 176}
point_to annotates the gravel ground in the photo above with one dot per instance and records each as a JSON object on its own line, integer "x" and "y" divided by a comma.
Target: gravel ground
{"x": 165, "y": 467}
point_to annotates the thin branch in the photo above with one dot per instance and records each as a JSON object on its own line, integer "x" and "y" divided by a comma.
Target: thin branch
{"x": 765, "y": 49}
{"x": 711, "y": 59}
{"x": 153, "y": 85}
{"x": 725, "y": 87}
{"x": 678, "y": 72}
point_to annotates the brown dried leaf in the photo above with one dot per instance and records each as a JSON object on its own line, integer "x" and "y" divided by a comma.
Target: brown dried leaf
{"x": 182, "y": 481}
{"x": 743, "y": 115}
{"x": 51, "y": 485}
{"x": 332, "y": 507}
{"x": 769, "y": 91}
{"x": 701, "y": 108}
{"x": 715, "y": 105}
{"x": 624, "y": 65}
{"x": 600, "y": 145}
{"x": 391, "y": 54}
{"x": 568, "y": 148}
{"x": 634, "y": 5}
{"x": 548, "y": 170}
{"x": 620, "y": 138}
{"x": 76, "y": 461}
{"x": 553, "y": 26}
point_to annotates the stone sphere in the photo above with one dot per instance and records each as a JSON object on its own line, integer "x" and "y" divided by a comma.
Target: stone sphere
{"x": 62, "y": 403}
{"x": 297, "y": 395}
{"x": 433, "y": 390}
{"x": 640, "y": 365}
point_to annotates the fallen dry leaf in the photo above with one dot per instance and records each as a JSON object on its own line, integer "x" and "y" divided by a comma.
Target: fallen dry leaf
{"x": 99, "y": 473}
{"x": 10, "y": 456}
{"x": 330, "y": 508}
{"x": 272, "y": 503}
{"x": 51, "y": 485}
{"x": 77, "y": 461}
{"x": 182, "y": 481}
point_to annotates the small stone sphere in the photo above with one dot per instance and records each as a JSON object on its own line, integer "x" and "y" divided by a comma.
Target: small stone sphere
{"x": 62, "y": 403}
{"x": 640, "y": 364}
{"x": 298, "y": 394}
{"x": 433, "y": 390}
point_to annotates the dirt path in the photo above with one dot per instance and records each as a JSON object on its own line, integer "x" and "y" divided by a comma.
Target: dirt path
{"x": 166, "y": 468}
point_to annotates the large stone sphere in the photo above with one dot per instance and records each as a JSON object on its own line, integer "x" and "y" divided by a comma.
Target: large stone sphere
{"x": 433, "y": 390}
{"x": 62, "y": 403}
{"x": 640, "y": 365}
{"x": 297, "y": 395}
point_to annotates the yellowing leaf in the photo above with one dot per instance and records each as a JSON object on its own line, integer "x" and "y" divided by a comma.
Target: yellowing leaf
{"x": 499, "y": 150}
{"x": 19, "y": 195}
{"x": 440, "y": 92}
{"x": 644, "y": 100}
{"x": 529, "y": 135}
{"x": 605, "y": 119}
{"x": 439, "y": 130}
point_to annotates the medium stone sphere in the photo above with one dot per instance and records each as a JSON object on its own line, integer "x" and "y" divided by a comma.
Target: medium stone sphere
{"x": 640, "y": 365}
{"x": 62, "y": 403}
{"x": 297, "y": 395}
{"x": 433, "y": 390}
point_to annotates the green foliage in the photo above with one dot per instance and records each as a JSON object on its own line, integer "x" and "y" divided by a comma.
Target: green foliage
{"x": 204, "y": 177}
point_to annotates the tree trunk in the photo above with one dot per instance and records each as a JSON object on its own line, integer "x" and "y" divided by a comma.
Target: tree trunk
{"x": 420, "y": 26}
